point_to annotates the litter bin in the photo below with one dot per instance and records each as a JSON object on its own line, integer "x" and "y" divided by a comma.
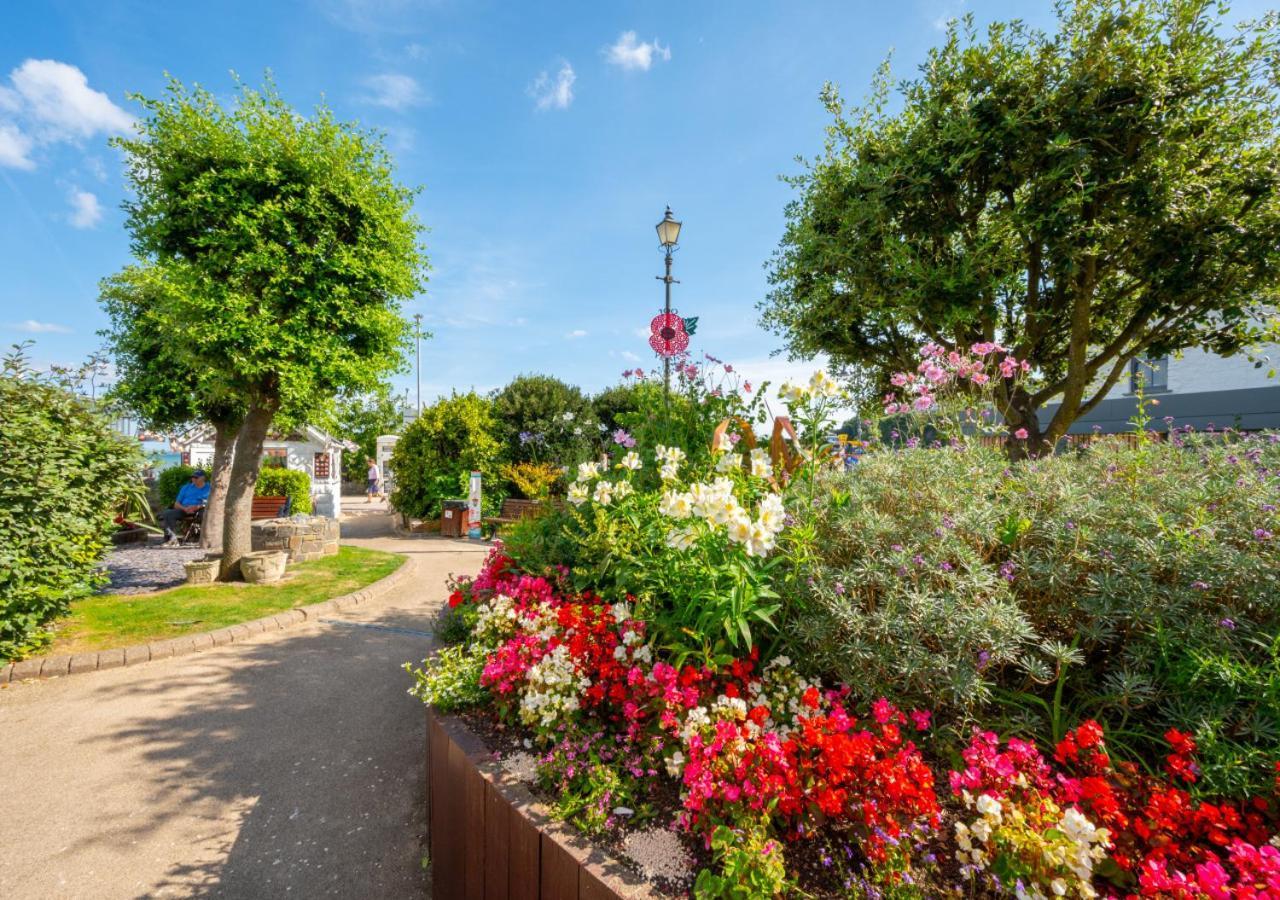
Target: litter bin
{"x": 453, "y": 519}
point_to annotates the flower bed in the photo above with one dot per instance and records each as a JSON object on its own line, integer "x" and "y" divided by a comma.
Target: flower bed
{"x": 774, "y": 770}
{"x": 634, "y": 640}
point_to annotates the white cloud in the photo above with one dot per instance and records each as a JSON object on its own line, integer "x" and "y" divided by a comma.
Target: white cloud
{"x": 575, "y": 334}
{"x": 628, "y": 355}
{"x": 951, "y": 10}
{"x": 50, "y": 102}
{"x": 15, "y": 148}
{"x": 641, "y": 332}
{"x": 86, "y": 211}
{"x": 629, "y": 53}
{"x": 553, "y": 93}
{"x": 31, "y": 326}
{"x": 393, "y": 91}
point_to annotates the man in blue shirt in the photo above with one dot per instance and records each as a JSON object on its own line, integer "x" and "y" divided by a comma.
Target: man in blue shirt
{"x": 192, "y": 496}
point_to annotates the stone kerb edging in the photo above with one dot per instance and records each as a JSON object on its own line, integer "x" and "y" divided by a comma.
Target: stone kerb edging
{"x": 78, "y": 663}
{"x": 490, "y": 837}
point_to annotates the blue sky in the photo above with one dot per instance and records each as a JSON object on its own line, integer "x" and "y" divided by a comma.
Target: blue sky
{"x": 547, "y": 138}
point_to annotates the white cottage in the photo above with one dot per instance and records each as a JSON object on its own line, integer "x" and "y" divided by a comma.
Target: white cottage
{"x": 308, "y": 450}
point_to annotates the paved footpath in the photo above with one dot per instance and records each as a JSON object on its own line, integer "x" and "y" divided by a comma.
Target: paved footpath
{"x": 289, "y": 765}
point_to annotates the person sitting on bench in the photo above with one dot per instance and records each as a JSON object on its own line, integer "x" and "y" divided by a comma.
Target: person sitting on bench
{"x": 192, "y": 496}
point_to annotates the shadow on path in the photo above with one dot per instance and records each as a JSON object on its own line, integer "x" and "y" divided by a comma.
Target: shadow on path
{"x": 287, "y": 766}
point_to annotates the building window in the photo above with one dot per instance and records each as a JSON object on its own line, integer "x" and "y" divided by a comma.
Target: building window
{"x": 322, "y": 465}
{"x": 1152, "y": 375}
{"x": 275, "y": 458}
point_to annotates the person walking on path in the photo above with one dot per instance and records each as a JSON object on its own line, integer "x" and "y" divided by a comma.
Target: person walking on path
{"x": 374, "y": 478}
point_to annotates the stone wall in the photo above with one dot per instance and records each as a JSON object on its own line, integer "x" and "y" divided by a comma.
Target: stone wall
{"x": 304, "y": 537}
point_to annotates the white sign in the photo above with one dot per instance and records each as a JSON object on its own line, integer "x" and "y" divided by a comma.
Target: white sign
{"x": 473, "y": 507}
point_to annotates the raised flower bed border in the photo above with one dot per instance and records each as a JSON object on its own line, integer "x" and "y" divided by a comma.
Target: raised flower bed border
{"x": 491, "y": 839}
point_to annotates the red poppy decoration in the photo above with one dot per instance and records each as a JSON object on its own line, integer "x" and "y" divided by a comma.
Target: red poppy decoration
{"x": 667, "y": 335}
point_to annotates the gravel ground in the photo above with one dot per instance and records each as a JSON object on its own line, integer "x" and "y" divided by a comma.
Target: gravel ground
{"x": 139, "y": 569}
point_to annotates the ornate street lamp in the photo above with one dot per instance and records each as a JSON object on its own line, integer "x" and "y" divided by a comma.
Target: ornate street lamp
{"x": 668, "y": 237}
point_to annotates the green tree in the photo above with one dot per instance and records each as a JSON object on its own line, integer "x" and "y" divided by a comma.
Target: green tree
{"x": 450, "y": 439}
{"x": 157, "y": 383}
{"x": 361, "y": 418}
{"x": 1083, "y": 197}
{"x": 289, "y": 247}
{"x": 542, "y": 419}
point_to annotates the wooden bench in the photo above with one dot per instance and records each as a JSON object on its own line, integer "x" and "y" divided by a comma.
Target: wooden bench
{"x": 270, "y": 507}
{"x": 512, "y": 511}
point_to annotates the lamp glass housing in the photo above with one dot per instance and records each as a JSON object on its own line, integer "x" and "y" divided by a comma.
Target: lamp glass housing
{"x": 668, "y": 230}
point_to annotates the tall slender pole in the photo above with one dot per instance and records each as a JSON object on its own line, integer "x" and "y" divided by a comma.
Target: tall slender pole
{"x": 666, "y": 360}
{"x": 417, "y": 333}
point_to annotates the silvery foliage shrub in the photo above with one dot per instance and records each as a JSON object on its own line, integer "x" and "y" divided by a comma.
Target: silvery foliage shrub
{"x": 1144, "y": 581}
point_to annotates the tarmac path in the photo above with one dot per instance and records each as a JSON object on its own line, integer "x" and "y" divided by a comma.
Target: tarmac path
{"x": 287, "y": 765}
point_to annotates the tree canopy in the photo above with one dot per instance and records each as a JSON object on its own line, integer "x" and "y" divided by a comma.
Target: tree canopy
{"x": 285, "y": 247}
{"x": 1081, "y": 197}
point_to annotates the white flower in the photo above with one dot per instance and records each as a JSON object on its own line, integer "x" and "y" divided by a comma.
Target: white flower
{"x": 620, "y": 653}
{"x": 740, "y": 530}
{"x": 729, "y": 462}
{"x": 669, "y": 471}
{"x": 675, "y": 505}
{"x": 773, "y": 515}
{"x": 631, "y": 461}
{"x": 669, "y": 454}
{"x": 568, "y": 416}
{"x": 623, "y": 489}
{"x": 1059, "y": 887}
{"x": 725, "y": 511}
{"x": 603, "y": 494}
{"x": 990, "y": 807}
{"x": 675, "y": 764}
{"x": 588, "y": 470}
{"x": 822, "y": 385}
{"x": 577, "y": 430}
{"x": 644, "y": 654}
{"x": 621, "y": 611}
{"x": 577, "y": 493}
{"x": 761, "y": 467}
{"x": 761, "y": 541}
{"x": 791, "y": 394}
{"x": 682, "y": 538}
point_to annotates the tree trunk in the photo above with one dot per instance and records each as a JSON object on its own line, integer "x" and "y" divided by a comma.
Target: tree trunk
{"x": 224, "y": 443}
{"x": 238, "y": 519}
{"x": 1023, "y": 415}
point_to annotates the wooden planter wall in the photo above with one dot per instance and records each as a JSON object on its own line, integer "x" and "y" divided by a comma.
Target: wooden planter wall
{"x": 490, "y": 839}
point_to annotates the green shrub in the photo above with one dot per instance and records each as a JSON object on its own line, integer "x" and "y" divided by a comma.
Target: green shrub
{"x": 170, "y": 481}
{"x": 1142, "y": 581}
{"x": 542, "y": 419}
{"x": 292, "y": 483}
{"x": 63, "y": 473}
{"x": 437, "y": 453}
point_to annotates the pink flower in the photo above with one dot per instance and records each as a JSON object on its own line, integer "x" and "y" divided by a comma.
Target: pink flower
{"x": 1021, "y": 434}
{"x": 920, "y": 719}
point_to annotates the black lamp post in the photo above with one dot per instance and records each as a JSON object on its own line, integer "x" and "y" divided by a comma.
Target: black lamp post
{"x": 668, "y": 237}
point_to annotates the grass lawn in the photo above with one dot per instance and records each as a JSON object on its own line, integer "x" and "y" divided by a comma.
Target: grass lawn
{"x": 116, "y": 620}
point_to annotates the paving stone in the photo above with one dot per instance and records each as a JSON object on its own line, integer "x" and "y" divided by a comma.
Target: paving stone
{"x": 221, "y": 636}
{"x": 111, "y": 659}
{"x": 5, "y": 673}
{"x": 83, "y": 662}
{"x": 55, "y": 665}
{"x": 27, "y": 668}
{"x": 139, "y": 653}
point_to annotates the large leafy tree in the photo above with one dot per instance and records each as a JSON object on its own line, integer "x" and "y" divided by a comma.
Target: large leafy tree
{"x": 1082, "y": 197}
{"x": 156, "y": 381}
{"x": 288, "y": 247}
